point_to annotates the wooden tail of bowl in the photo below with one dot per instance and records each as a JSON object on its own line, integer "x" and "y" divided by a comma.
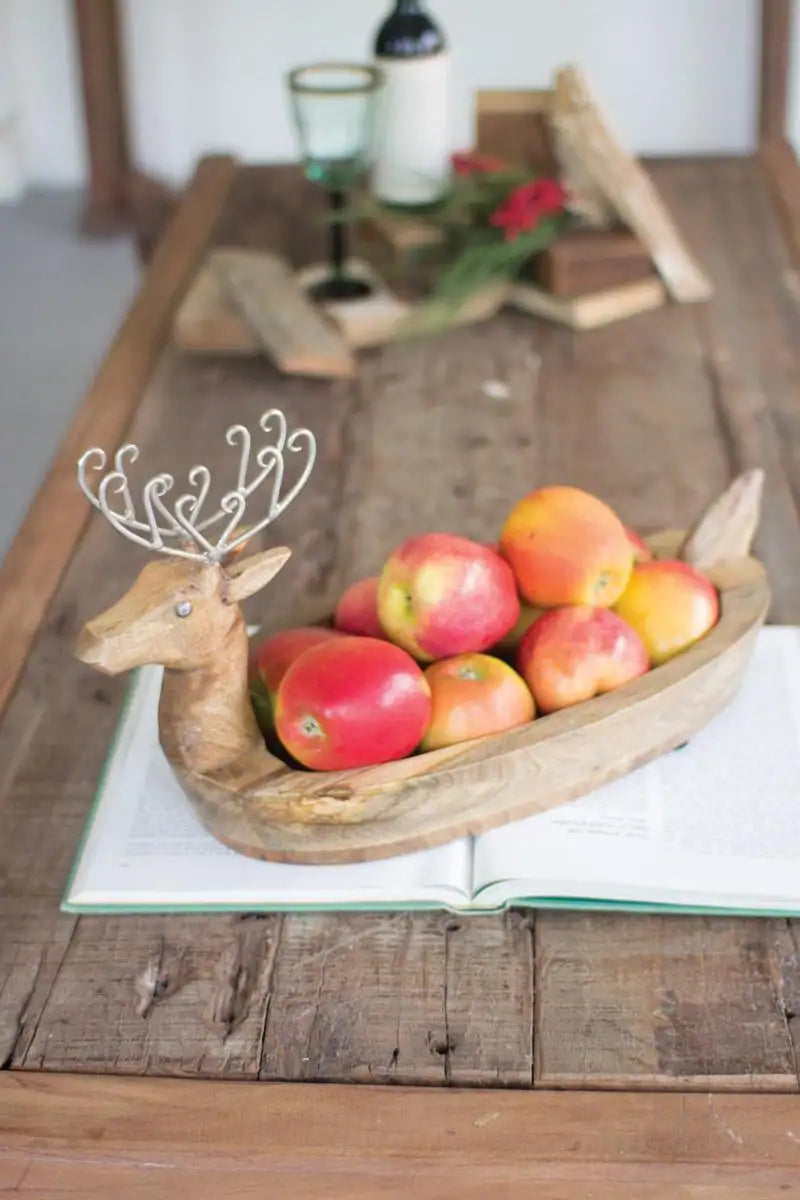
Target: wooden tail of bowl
{"x": 261, "y": 807}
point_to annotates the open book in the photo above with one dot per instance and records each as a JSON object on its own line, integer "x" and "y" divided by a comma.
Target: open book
{"x": 713, "y": 826}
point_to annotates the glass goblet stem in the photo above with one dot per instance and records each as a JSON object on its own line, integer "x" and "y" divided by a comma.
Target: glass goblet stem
{"x": 336, "y": 200}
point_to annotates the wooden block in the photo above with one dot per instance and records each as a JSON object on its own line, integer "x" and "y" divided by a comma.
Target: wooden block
{"x": 295, "y": 335}
{"x": 515, "y": 126}
{"x": 585, "y": 141}
{"x": 368, "y": 322}
{"x": 591, "y": 260}
{"x": 208, "y": 322}
{"x": 589, "y": 312}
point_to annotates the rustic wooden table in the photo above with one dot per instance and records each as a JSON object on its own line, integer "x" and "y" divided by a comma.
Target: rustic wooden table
{"x": 655, "y": 414}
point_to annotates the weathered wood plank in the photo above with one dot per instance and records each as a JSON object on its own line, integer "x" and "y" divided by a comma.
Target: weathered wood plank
{"x": 399, "y": 998}
{"x": 747, "y": 352}
{"x": 359, "y": 997}
{"x": 663, "y": 1002}
{"x": 142, "y": 1137}
{"x": 168, "y": 995}
{"x": 47, "y": 537}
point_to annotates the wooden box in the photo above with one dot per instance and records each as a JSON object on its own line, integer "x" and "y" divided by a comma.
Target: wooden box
{"x": 583, "y": 261}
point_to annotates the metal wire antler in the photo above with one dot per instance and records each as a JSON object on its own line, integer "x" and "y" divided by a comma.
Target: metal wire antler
{"x": 183, "y": 530}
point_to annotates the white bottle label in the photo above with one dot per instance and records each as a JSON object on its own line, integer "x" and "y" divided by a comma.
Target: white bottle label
{"x": 411, "y": 163}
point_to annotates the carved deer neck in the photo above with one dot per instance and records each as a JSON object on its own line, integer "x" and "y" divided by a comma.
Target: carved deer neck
{"x": 205, "y": 717}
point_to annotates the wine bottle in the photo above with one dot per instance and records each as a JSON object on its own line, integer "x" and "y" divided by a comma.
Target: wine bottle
{"x": 412, "y": 152}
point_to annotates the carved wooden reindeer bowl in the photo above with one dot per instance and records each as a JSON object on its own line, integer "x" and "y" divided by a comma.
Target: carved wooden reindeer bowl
{"x": 183, "y": 613}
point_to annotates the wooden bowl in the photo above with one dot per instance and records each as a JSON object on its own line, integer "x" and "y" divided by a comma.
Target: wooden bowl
{"x": 261, "y": 807}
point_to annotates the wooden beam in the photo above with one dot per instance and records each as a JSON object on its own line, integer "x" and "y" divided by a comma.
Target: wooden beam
{"x": 776, "y": 27}
{"x": 93, "y": 1135}
{"x": 782, "y": 174}
{"x": 53, "y": 525}
{"x": 97, "y": 30}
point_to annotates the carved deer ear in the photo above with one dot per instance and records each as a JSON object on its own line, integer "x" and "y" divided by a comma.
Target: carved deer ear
{"x": 247, "y": 577}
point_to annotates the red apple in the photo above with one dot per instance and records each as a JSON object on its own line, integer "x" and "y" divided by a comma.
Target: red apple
{"x": 352, "y": 702}
{"x": 271, "y": 659}
{"x": 670, "y": 604}
{"x": 357, "y": 610}
{"x": 441, "y": 595}
{"x": 573, "y": 653}
{"x": 641, "y": 550}
{"x": 472, "y": 695}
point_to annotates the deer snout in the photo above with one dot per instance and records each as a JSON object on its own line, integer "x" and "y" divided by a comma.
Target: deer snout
{"x": 91, "y": 648}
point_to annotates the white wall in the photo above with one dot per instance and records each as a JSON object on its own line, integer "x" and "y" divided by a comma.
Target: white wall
{"x": 39, "y": 90}
{"x": 675, "y": 75}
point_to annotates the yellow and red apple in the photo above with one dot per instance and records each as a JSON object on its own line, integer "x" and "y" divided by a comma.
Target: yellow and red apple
{"x": 473, "y": 695}
{"x": 352, "y": 702}
{"x": 573, "y": 653}
{"x": 670, "y": 604}
{"x": 566, "y": 546}
{"x": 357, "y": 610}
{"x": 441, "y": 595}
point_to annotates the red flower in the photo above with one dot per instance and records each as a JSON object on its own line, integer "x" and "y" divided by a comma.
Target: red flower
{"x": 470, "y": 162}
{"x": 523, "y": 208}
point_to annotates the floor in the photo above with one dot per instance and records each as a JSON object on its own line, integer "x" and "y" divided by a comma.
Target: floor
{"x": 61, "y": 299}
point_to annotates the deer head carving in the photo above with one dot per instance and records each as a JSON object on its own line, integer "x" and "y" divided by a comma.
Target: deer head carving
{"x": 178, "y": 610}
{"x": 182, "y": 611}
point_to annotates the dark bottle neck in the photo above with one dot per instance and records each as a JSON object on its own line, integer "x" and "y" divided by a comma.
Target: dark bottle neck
{"x": 408, "y": 32}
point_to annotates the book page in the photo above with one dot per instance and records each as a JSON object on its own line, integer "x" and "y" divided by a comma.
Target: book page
{"x": 716, "y": 823}
{"x": 146, "y": 848}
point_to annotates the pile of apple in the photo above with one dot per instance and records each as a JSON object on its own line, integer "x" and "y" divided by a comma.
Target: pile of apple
{"x": 456, "y": 639}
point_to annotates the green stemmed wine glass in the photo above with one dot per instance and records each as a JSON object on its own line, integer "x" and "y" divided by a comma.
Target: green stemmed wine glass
{"x": 333, "y": 105}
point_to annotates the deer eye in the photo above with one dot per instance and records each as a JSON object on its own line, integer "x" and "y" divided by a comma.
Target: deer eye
{"x": 183, "y": 608}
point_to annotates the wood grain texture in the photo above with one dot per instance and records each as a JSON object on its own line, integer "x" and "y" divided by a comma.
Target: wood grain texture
{"x": 686, "y": 1003}
{"x": 47, "y": 537}
{"x": 635, "y": 412}
{"x": 440, "y": 1001}
{"x": 83, "y": 1136}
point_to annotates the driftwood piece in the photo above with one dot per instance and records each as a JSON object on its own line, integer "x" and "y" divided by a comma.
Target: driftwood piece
{"x": 593, "y": 310}
{"x": 585, "y": 139}
{"x": 254, "y": 803}
{"x": 208, "y": 320}
{"x": 292, "y": 331}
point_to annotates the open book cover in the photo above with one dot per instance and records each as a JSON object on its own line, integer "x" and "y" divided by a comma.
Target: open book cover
{"x": 714, "y": 826}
